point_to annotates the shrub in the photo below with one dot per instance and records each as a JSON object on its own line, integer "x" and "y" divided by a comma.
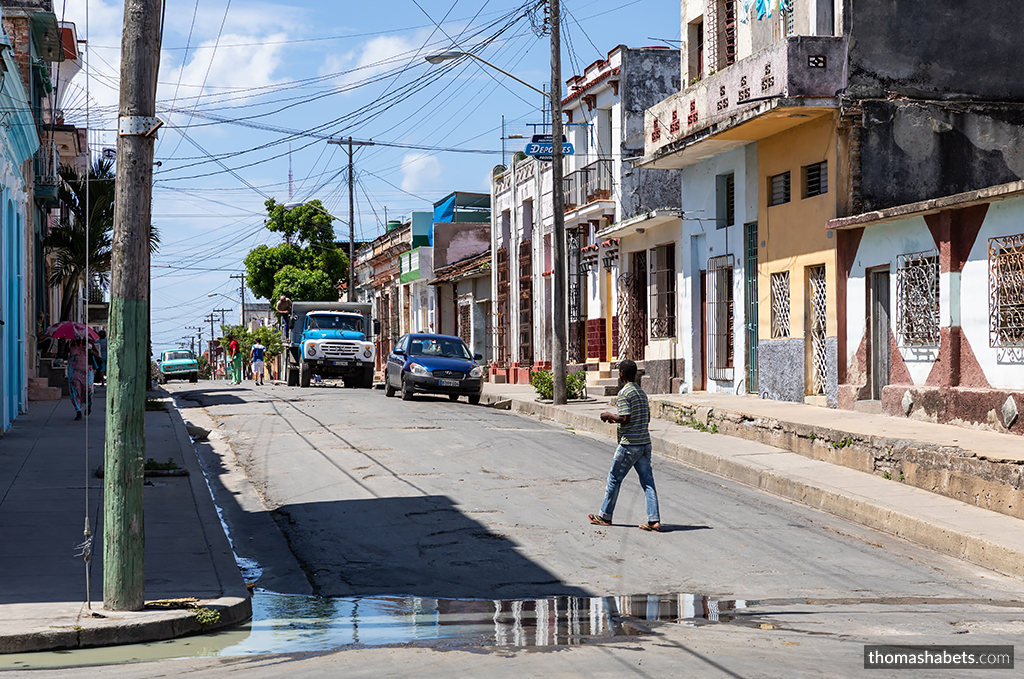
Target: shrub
{"x": 575, "y": 384}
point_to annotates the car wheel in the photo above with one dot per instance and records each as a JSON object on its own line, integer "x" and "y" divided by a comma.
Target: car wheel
{"x": 389, "y": 391}
{"x": 406, "y": 391}
{"x": 453, "y": 397}
{"x": 293, "y": 377}
{"x": 474, "y": 400}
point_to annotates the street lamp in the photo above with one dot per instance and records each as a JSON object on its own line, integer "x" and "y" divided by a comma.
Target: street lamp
{"x": 441, "y": 57}
{"x": 558, "y": 348}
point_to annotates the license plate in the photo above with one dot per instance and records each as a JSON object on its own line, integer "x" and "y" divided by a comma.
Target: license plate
{"x": 449, "y": 383}
{"x": 341, "y": 362}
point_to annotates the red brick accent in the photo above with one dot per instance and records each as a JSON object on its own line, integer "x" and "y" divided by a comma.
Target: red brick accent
{"x": 847, "y": 244}
{"x": 615, "y": 335}
{"x": 597, "y": 342}
{"x": 956, "y": 365}
{"x": 954, "y": 232}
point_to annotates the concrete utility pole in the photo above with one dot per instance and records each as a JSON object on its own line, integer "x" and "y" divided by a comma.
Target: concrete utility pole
{"x": 124, "y": 577}
{"x": 558, "y": 359}
{"x": 351, "y": 215}
{"x": 241, "y": 276}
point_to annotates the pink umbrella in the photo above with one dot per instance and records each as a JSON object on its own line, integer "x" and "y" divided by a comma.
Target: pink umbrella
{"x": 72, "y": 331}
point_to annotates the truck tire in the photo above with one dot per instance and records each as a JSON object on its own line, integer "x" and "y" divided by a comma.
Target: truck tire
{"x": 305, "y": 374}
{"x": 474, "y": 400}
{"x": 193, "y": 377}
{"x": 293, "y": 376}
{"x": 367, "y": 377}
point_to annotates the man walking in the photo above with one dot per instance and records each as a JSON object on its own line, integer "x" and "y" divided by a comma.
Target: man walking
{"x": 634, "y": 451}
{"x": 235, "y": 353}
{"x": 256, "y": 357}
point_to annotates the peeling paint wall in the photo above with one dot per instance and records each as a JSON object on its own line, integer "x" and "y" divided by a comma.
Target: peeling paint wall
{"x": 913, "y": 151}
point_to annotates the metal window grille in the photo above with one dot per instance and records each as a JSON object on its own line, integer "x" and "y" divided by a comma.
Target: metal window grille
{"x": 816, "y": 179}
{"x": 525, "y": 304}
{"x": 730, "y": 199}
{"x": 501, "y": 321}
{"x": 819, "y": 353}
{"x": 576, "y": 351}
{"x": 727, "y": 15}
{"x": 466, "y": 322}
{"x": 917, "y": 299}
{"x": 1006, "y": 291}
{"x": 780, "y": 304}
{"x": 663, "y": 291}
{"x": 632, "y": 309}
{"x": 780, "y": 188}
{"x": 720, "y": 317}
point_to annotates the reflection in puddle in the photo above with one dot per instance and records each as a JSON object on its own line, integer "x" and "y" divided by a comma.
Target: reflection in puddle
{"x": 285, "y": 623}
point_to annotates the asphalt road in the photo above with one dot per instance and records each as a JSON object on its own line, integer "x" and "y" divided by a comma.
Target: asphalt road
{"x": 432, "y": 498}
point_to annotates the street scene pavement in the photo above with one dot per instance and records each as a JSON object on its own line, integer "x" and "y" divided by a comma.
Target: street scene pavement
{"x": 343, "y": 495}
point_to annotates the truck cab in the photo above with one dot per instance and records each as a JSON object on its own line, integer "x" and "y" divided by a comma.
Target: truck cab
{"x": 331, "y": 339}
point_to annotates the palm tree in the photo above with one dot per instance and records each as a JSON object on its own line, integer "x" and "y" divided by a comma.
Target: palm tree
{"x": 78, "y": 260}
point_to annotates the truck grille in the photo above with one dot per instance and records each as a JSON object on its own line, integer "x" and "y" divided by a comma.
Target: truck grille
{"x": 339, "y": 349}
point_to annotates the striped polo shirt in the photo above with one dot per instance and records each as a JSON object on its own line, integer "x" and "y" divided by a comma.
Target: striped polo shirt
{"x": 632, "y": 401}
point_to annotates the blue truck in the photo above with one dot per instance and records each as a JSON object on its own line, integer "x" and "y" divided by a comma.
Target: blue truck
{"x": 332, "y": 340}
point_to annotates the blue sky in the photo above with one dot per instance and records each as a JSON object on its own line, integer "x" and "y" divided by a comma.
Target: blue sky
{"x": 241, "y": 82}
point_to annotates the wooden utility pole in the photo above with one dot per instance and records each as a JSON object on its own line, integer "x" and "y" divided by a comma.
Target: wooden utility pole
{"x": 558, "y": 349}
{"x": 352, "y": 214}
{"x": 124, "y": 576}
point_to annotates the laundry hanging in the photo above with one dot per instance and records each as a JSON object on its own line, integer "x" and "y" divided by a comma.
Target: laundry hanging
{"x": 763, "y": 10}
{"x": 745, "y": 6}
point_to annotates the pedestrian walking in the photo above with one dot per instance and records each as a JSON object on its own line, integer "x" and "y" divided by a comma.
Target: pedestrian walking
{"x": 256, "y": 357}
{"x": 235, "y": 353}
{"x": 634, "y": 449}
{"x": 80, "y": 377}
{"x": 101, "y": 346}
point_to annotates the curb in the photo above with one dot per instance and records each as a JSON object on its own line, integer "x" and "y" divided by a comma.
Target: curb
{"x": 950, "y": 540}
{"x": 133, "y": 627}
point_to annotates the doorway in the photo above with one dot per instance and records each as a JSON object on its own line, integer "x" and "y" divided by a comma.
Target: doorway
{"x": 702, "y": 378}
{"x": 878, "y": 324}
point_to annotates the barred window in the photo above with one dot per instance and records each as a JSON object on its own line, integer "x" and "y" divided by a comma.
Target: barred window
{"x": 917, "y": 299}
{"x": 779, "y": 189}
{"x": 720, "y": 317}
{"x": 816, "y": 179}
{"x": 780, "y": 304}
{"x": 663, "y": 291}
{"x": 1006, "y": 291}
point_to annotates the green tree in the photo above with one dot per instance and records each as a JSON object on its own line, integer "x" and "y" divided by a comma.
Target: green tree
{"x": 305, "y": 284}
{"x": 78, "y": 258}
{"x": 308, "y": 249}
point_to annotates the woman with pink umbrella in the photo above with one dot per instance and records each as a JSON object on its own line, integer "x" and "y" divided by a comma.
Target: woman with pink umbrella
{"x": 80, "y": 374}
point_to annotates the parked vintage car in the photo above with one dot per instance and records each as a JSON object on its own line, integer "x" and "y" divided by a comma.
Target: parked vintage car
{"x": 433, "y": 364}
{"x": 178, "y": 364}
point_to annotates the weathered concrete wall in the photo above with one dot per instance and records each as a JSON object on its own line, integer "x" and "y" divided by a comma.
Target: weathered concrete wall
{"x": 456, "y": 242}
{"x": 935, "y": 50}
{"x": 913, "y": 151}
{"x": 659, "y": 375}
{"x": 780, "y": 369}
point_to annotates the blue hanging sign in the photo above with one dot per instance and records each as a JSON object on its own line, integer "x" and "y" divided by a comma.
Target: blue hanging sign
{"x": 541, "y": 147}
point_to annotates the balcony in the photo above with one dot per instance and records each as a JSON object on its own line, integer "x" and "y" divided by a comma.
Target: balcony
{"x": 782, "y": 86}
{"x": 588, "y": 185}
{"x": 47, "y": 163}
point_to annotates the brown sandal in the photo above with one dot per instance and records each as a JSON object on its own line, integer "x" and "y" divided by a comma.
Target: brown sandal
{"x": 598, "y": 520}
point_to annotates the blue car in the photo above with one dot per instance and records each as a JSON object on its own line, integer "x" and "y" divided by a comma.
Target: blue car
{"x": 433, "y": 364}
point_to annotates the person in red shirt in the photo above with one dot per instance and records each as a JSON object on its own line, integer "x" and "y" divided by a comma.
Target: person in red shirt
{"x": 235, "y": 353}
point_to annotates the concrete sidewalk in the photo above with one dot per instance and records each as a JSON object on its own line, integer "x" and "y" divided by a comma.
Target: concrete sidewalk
{"x": 46, "y": 480}
{"x": 968, "y": 532}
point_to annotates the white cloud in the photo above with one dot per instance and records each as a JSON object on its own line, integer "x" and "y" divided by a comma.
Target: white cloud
{"x": 372, "y": 57}
{"x": 419, "y": 172}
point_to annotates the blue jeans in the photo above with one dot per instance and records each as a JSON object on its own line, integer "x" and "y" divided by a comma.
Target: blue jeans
{"x": 626, "y": 458}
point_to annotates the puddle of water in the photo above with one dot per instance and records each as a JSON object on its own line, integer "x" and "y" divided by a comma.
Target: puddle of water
{"x": 285, "y": 623}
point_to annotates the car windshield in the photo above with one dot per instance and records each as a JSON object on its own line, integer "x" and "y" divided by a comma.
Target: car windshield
{"x": 178, "y": 356}
{"x": 333, "y": 322}
{"x": 447, "y": 348}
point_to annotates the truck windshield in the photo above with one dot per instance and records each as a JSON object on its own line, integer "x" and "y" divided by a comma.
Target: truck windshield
{"x": 333, "y": 322}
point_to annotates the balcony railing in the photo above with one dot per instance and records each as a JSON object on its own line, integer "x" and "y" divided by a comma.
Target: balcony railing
{"x": 588, "y": 185}
{"x": 47, "y": 163}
